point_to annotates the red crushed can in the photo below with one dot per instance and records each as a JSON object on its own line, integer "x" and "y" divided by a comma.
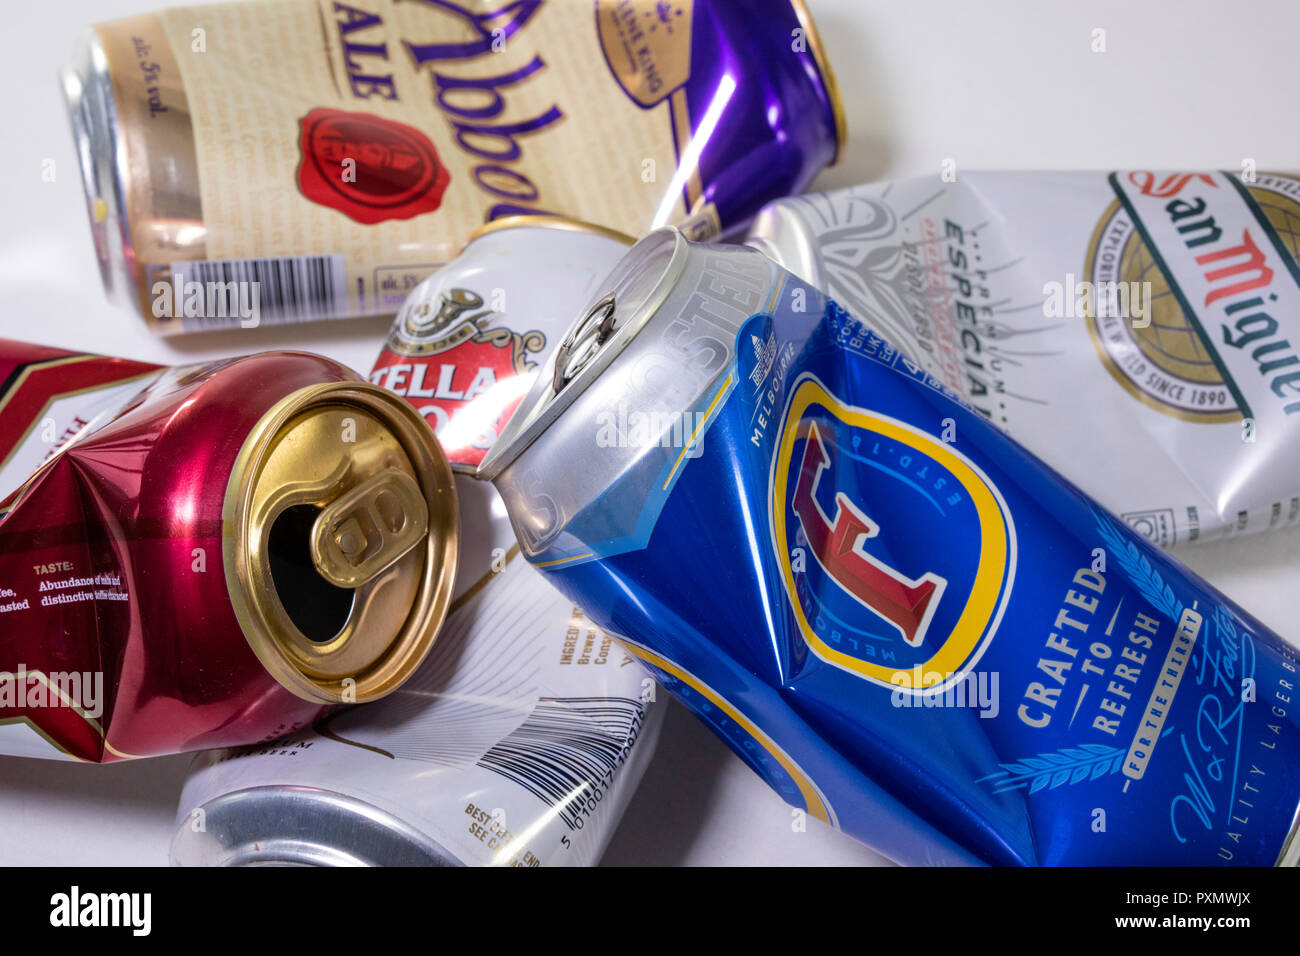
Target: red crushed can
{"x": 208, "y": 555}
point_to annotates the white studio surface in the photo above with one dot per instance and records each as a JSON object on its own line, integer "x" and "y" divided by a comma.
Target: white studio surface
{"x": 1004, "y": 84}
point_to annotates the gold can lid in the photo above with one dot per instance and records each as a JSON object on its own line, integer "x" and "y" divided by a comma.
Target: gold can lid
{"x": 549, "y": 222}
{"x": 340, "y": 534}
{"x": 818, "y": 50}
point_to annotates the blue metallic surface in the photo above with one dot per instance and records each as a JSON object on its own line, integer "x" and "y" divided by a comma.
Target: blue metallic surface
{"x": 913, "y": 629}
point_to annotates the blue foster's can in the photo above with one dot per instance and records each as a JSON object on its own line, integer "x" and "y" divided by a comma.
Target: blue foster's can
{"x": 909, "y": 626}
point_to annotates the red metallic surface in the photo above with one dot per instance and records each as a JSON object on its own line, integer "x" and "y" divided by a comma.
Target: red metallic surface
{"x": 141, "y": 498}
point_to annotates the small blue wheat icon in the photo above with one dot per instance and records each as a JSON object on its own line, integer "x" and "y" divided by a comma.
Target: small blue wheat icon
{"x": 1047, "y": 771}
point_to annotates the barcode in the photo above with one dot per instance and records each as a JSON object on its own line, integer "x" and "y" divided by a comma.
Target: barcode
{"x": 567, "y": 750}
{"x": 285, "y": 289}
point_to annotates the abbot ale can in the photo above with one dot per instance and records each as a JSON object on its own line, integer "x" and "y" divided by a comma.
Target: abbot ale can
{"x": 284, "y": 160}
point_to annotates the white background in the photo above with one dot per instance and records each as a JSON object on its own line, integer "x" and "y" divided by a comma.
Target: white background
{"x": 1009, "y": 84}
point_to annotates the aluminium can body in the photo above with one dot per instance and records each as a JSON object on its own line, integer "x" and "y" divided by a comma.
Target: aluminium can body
{"x": 518, "y": 742}
{"x": 165, "y": 541}
{"x": 908, "y": 625}
{"x": 293, "y": 160}
{"x": 467, "y": 342}
{"x": 1136, "y": 330}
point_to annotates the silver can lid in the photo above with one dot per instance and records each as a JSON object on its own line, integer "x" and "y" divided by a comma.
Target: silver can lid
{"x": 636, "y": 288}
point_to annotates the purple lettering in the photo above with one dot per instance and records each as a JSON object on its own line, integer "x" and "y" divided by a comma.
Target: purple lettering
{"x": 487, "y": 25}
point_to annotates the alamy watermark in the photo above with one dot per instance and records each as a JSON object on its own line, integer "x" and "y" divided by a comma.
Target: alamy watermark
{"x": 83, "y": 691}
{"x": 1073, "y": 299}
{"x": 75, "y": 908}
{"x": 621, "y": 428}
{"x": 977, "y": 690}
{"x": 191, "y": 299}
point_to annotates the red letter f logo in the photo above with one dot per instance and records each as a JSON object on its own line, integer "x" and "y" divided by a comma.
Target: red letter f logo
{"x": 908, "y": 605}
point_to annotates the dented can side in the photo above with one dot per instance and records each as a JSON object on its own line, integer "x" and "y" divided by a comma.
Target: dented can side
{"x": 162, "y": 546}
{"x": 910, "y": 627}
{"x": 1132, "y": 329}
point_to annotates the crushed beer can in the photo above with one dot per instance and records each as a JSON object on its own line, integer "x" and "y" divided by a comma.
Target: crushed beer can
{"x": 1139, "y": 331}
{"x": 518, "y": 742}
{"x": 910, "y": 627}
{"x": 208, "y": 555}
{"x": 301, "y": 159}
{"x": 467, "y": 341}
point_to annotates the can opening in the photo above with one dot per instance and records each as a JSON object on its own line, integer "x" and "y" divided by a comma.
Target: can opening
{"x": 318, "y": 608}
{"x": 340, "y": 535}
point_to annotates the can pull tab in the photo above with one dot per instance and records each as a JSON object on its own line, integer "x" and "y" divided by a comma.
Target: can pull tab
{"x": 584, "y": 341}
{"x": 371, "y": 526}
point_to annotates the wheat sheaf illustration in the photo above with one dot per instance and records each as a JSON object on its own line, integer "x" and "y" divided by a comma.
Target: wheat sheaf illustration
{"x": 1047, "y": 771}
{"x": 1134, "y": 563}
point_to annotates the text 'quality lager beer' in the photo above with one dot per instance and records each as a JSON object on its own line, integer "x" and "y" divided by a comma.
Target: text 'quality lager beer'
{"x": 467, "y": 342}
{"x": 1138, "y": 331}
{"x": 518, "y": 742}
{"x": 310, "y": 159}
{"x": 208, "y": 555}
{"x": 908, "y": 625}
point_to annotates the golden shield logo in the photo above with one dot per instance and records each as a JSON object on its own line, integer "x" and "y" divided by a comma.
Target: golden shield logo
{"x": 897, "y": 552}
{"x": 1166, "y": 364}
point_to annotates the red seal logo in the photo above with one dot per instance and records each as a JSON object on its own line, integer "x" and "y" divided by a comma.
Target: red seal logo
{"x": 367, "y": 167}
{"x": 464, "y": 373}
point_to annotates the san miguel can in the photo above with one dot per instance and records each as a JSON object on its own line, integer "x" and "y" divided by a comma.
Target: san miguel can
{"x": 1138, "y": 330}
{"x": 466, "y": 344}
{"x": 284, "y": 160}
{"x": 907, "y": 624}
{"x": 518, "y": 742}
{"x": 208, "y": 555}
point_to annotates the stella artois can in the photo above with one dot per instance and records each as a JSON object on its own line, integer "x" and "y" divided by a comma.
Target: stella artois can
{"x": 1138, "y": 330}
{"x": 467, "y": 341}
{"x": 285, "y": 160}
{"x": 208, "y": 555}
